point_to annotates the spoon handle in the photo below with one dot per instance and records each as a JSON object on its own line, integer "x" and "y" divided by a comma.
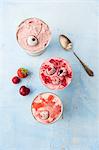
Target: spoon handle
{"x": 87, "y": 69}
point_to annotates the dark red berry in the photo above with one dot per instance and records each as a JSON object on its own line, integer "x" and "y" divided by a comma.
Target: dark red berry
{"x": 24, "y": 90}
{"x": 15, "y": 80}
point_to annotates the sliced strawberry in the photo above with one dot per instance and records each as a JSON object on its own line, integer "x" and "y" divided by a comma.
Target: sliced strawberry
{"x": 52, "y": 61}
{"x": 55, "y": 62}
{"x": 37, "y": 105}
{"x": 69, "y": 74}
{"x": 64, "y": 65}
{"x": 63, "y": 82}
{"x": 50, "y": 98}
{"x": 49, "y": 68}
{"x": 46, "y": 79}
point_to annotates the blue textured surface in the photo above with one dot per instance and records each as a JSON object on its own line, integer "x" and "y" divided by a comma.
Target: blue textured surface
{"x": 79, "y": 128}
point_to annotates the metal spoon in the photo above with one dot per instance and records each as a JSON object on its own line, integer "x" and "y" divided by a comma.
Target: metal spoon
{"x": 67, "y": 45}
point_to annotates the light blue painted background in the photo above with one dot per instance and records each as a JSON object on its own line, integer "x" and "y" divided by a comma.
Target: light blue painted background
{"x": 79, "y": 128}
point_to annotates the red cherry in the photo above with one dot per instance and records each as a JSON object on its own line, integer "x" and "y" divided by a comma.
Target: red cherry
{"x": 24, "y": 90}
{"x": 15, "y": 80}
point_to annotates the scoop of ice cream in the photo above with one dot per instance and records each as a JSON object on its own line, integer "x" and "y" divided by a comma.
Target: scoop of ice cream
{"x": 44, "y": 114}
{"x": 51, "y": 70}
{"x": 33, "y": 35}
{"x": 47, "y": 108}
{"x": 56, "y": 73}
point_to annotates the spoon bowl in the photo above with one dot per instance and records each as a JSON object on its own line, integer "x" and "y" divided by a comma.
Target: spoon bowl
{"x": 66, "y": 44}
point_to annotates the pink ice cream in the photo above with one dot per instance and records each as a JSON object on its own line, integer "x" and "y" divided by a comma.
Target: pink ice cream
{"x": 33, "y": 35}
{"x": 56, "y": 73}
{"x": 47, "y": 108}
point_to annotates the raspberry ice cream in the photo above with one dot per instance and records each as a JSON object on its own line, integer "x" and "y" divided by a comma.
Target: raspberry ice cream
{"x": 47, "y": 108}
{"x": 56, "y": 73}
{"x": 33, "y": 35}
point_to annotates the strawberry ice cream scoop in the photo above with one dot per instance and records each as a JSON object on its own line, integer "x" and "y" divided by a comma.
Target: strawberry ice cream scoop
{"x": 56, "y": 73}
{"x": 33, "y": 35}
{"x": 47, "y": 108}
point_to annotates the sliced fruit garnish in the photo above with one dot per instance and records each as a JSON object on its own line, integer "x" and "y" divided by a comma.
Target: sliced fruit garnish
{"x": 50, "y": 98}
{"x": 46, "y": 79}
{"x": 37, "y": 105}
{"x": 63, "y": 82}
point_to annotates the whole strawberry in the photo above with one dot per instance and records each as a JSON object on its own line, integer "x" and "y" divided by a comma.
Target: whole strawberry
{"x": 22, "y": 73}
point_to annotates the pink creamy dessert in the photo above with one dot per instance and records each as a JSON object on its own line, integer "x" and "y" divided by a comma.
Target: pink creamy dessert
{"x": 56, "y": 73}
{"x": 47, "y": 108}
{"x": 33, "y": 35}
